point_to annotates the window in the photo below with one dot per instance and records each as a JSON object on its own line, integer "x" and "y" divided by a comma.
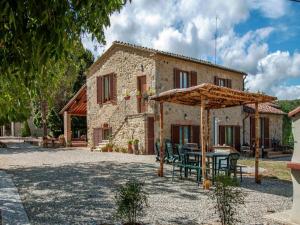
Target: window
{"x": 229, "y": 135}
{"x": 184, "y": 79}
{"x": 182, "y": 134}
{"x": 222, "y": 82}
{"x": 107, "y": 88}
{"x": 107, "y": 132}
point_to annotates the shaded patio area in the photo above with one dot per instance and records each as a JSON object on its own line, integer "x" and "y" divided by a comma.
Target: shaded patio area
{"x": 75, "y": 186}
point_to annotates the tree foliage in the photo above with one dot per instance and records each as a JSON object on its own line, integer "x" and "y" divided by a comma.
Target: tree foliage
{"x": 36, "y": 36}
{"x": 287, "y": 106}
{"x": 25, "y": 132}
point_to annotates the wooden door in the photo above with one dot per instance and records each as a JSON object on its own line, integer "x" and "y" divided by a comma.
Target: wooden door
{"x": 266, "y": 132}
{"x": 97, "y": 136}
{"x": 252, "y": 131}
{"x": 221, "y": 135}
{"x": 150, "y": 136}
{"x": 142, "y": 88}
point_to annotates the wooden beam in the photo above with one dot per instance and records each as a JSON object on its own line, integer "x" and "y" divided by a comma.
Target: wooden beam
{"x": 203, "y": 147}
{"x": 161, "y": 123}
{"x": 257, "y": 180}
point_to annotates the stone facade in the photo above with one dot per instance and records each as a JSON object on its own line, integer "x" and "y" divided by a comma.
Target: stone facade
{"x": 128, "y": 63}
{"x": 122, "y": 117}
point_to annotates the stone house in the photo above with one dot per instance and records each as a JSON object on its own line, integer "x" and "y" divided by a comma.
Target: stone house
{"x": 120, "y": 82}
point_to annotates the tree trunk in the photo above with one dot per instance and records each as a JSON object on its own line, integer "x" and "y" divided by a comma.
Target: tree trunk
{"x": 44, "y": 107}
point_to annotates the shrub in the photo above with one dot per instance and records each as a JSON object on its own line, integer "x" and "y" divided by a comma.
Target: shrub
{"x": 228, "y": 197}
{"x": 130, "y": 201}
{"x": 25, "y": 132}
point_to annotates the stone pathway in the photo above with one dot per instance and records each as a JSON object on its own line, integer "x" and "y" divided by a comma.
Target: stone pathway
{"x": 11, "y": 206}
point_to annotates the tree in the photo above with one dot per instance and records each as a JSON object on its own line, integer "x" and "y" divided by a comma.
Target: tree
{"x": 35, "y": 35}
{"x": 25, "y": 132}
{"x": 54, "y": 122}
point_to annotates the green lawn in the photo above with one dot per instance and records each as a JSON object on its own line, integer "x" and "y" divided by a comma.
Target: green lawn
{"x": 274, "y": 169}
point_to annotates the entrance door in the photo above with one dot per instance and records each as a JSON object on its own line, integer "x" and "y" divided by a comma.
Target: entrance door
{"x": 97, "y": 136}
{"x": 150, "y": 136}
{"x": 142, "y": 88}
{"x": 230, "y": 135}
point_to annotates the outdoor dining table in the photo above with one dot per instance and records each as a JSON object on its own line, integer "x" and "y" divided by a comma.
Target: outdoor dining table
{"x": 213, "y": 156}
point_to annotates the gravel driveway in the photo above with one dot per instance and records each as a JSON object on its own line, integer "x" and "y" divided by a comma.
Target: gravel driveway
{"x": 76, "y": 186}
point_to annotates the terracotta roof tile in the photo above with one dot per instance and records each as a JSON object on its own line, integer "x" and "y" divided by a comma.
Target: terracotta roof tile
{"x": 268, "y": 108}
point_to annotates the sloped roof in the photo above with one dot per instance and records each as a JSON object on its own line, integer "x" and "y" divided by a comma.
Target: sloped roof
{"x": 294, "y": 112}
{"x": 214, "y": 96}
{"x": 77, "y": 104}
{"x": 159, "y": 52}
{"x": 267, "y": 108}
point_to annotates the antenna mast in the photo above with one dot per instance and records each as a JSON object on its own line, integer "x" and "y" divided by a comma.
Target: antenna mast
{"x": 216, "y": 36}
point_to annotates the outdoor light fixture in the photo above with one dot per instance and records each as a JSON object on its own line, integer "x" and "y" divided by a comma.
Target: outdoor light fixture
{"x": 185, "y": 116}
{"x": 142, "y": 67}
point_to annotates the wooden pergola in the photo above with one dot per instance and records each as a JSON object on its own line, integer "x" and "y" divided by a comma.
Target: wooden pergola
{"x": 208, "y": 96}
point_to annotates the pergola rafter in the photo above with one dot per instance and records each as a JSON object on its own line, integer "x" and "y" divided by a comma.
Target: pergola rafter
{"x": 208, "y": 96}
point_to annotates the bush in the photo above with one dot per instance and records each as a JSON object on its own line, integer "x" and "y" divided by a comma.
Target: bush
{"x": 130, "y": 201}
{"x": 25, "y": 132}
{"x": 228, "y": 197}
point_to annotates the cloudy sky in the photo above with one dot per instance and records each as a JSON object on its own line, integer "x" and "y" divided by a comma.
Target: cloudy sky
{"x": 260, "y": 37}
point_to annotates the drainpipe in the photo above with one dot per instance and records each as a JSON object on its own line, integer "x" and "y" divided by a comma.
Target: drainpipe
{"x": 244, "y": 78}
{"x": 244, "y": 127}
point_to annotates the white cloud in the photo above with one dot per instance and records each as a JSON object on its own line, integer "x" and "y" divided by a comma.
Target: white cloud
{"x": 188, "y": 27}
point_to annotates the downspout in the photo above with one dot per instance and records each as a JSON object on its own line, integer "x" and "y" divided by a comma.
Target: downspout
{"x": 244, "y": 78}
{"x": 248, "y": 114}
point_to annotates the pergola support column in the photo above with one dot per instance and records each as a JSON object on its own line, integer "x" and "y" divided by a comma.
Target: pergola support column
{"x": 257, "y": 180}
{"x": 203, "y": 136}
{"x": 162, "y": 153}
{"x": 208, "y": 129}
{"x": 67, "y": 128}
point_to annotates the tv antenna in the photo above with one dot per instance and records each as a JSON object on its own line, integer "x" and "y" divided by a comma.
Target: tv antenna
{"x": 216, "y": 36}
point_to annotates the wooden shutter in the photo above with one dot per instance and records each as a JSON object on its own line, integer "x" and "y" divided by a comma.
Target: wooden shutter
{"x": 113, "y": 88}
{"x": 237, "y": 138}
{"x": 193, "y": 78}
{"x": 216, "y": 80}
{"x": 228, "y": 83}
{"x": 176, "y": 78}
{"x": 195, "y": 134}
{"x": 266, "y": 132}
{"x": 221, "y": 135}
{"x": 99, "y": 90}
{"x": 175, "y": 134}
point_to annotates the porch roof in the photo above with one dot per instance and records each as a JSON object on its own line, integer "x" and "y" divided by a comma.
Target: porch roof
{"x": 214, "y": 96}
{"x": 77, "y": 104}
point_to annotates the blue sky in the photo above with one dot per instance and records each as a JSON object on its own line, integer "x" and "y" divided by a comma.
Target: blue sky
{"x": 260, "y": 37}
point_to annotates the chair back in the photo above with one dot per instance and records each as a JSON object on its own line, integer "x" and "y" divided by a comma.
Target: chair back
{"x": 232, "y": 160}
{"x": 169, "y": 149}
{"x": 181, "y": 152}
{"x": 157, "y": 149}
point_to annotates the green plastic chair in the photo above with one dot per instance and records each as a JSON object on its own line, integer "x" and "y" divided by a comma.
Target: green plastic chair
{"x": 230, "y": 165}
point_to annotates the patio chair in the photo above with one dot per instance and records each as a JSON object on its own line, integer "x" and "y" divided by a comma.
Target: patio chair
{"x": 157, "y": 151}
{"x": 183, "y": 163}
{"x": 170, "y": 157}
{"x": 229, "y": 165}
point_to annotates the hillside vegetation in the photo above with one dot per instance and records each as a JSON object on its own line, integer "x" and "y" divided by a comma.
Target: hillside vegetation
{"x": 287, "y": 106}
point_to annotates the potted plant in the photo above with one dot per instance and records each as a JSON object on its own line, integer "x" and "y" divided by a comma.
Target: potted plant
{"x": 130, "y": 149}
{"x": 61, "y": 140}
{"x": 136, "y": 146}
{"x": 104, "y": 149}
{"x": 151, "y": 91}
{"x": 145, "y": 96}
{"x": 127, "y": 95}
{"x": 130, "y": 200}
{"x": 138, "y": 95}
{"x": 109, "y": 147}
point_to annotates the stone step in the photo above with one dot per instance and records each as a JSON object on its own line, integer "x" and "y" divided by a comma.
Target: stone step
{"x": 277, "y": 155}
{"x": 101, "y": 145}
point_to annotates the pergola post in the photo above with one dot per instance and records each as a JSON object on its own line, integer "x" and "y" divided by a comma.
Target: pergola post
{"x": 257, "y": 180}
{"x": 162, "y": 153}
{"x": 208, "y": 130}
{"x": 67, "y": 128}
{"x": 203, "y": 135}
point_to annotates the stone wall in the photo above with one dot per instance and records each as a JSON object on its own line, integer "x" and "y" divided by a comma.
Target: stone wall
{"x": 175, "y": 114}
{"x": 127, "y": 65}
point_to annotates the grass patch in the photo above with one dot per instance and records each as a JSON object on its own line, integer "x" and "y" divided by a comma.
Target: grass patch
{"x": 274, "y": 169}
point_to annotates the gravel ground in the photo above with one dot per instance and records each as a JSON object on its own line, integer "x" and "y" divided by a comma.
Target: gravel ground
{"x": 76, "y": 186}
